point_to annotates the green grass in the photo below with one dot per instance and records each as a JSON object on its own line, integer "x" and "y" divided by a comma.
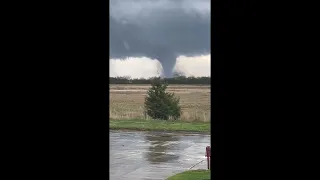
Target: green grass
{"x": 160, "y": 125}
{"x": 192, "y": 175}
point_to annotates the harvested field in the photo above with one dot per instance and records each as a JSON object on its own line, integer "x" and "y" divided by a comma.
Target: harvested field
{"x": 127, "y": 101}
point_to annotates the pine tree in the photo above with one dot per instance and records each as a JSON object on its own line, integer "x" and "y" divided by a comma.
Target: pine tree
{"x": 160, "y": 104}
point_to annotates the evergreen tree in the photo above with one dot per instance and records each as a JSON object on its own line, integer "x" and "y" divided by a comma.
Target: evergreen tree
{"x": 160, "y": 104}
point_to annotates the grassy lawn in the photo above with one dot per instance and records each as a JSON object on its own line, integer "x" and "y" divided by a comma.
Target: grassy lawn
{"x": 160, "y": 125}
{"x": 192, "y": 175}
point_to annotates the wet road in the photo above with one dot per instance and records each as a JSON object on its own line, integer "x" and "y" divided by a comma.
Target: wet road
{"x": 154, "y": 155}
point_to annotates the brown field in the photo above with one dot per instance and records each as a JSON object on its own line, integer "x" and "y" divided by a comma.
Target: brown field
{"x": 127, "y": 101}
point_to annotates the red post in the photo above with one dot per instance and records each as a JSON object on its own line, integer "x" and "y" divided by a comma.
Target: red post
{"x": 208, "y": 155}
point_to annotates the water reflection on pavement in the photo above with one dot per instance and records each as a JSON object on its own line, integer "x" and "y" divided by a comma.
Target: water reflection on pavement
{"x": 154, "y": 155}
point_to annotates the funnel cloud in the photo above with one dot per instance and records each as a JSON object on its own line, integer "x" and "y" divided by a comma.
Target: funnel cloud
{"x": 159, "y": 29}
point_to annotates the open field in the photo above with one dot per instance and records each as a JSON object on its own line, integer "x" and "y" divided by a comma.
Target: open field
{"x": 127, "y": 101}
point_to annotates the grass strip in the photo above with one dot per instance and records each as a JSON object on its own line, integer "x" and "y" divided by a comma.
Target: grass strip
{"x": 159, "y": 125}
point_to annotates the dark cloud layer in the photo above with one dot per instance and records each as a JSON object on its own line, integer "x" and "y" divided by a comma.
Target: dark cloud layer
{"x": 159, "y": 29}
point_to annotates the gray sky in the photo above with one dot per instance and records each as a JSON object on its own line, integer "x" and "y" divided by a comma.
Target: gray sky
{"x": 159, "y": 29}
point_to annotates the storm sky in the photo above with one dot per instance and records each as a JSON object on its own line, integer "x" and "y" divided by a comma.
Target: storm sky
{"x": 161, "y": 30}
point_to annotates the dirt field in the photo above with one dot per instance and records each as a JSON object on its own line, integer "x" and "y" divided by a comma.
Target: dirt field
{"x": 127, "y": 101}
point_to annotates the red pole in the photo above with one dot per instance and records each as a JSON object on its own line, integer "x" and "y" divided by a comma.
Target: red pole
{"x": 208, "y": 154}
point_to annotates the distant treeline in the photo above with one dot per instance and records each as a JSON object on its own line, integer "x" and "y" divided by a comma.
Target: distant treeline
{"x": 174, "y": 80}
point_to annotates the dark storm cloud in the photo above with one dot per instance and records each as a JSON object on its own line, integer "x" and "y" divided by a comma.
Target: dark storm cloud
{"x": 159, "y": 29}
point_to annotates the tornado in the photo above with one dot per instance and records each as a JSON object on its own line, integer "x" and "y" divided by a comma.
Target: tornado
{"x": 168, "y": 63}
{"x": 159, "y": 29}
{"x": 167, "y": 58}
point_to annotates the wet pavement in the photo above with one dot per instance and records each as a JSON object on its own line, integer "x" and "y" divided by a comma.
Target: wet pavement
{"x": 138, "y": 155}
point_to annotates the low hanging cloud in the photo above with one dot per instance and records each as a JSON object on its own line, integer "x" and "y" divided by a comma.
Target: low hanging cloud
{"x": 161, "y": 30}
{"x": 146, "y": 67}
